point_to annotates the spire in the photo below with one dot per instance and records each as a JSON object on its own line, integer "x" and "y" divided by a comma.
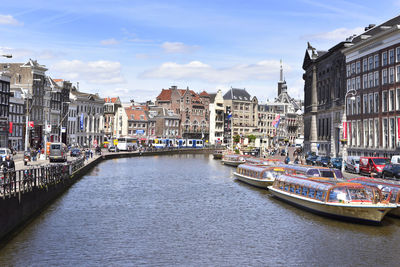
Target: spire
{"x": 281, "y": 76}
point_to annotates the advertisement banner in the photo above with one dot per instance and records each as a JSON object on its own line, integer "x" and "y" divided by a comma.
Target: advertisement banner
{"x": 81, "y": 122}
{"x": 31, "y": 124}
{"x": 344, "y": 130}
{"x": 10, "y": 127}
{"x": 398, "y": 128}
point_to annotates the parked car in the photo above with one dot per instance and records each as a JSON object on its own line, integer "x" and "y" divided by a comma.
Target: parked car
{"x": 369, "y": 165}
{"x": 113, "y": 149}
{"x": 336, "y": 163}
{"x": 395, "y": 159}
{"x": 391, "y": 171}
{"x": 311, "y": 160}
{"x": 323, "y": 161}
{"x": 5, "y": 152}
{"x": 352, "y": 164}
{"x": 75, "y": 152}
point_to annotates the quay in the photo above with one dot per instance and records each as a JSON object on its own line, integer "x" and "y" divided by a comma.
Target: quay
{"x": 29, "y": 189}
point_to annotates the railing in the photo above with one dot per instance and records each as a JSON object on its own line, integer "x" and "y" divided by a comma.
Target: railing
{"x": 19, "y": 182}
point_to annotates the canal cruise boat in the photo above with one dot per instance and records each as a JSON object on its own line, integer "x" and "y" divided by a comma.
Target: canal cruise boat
{"x": 390, "y": 190}
{"x": 233, "y": 159}
{"x": 217, "y": 154}
{"x": 350, "y": 201}
{"x": 312, "y": 171}
{"x": 257, "y": 175}
{"x": 263, "y": 161}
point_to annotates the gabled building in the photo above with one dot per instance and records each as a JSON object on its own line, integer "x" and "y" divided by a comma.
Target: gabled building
{"x": 192, "y": 108}
{"x": 4, "y": 108}
{"x": 167, "y": 123}
{"x": 217, "y": 117}
{"x": 111, "y": 105}
{"x": 16, "y": 119}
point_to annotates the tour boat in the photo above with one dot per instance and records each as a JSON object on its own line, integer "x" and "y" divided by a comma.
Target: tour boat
{"x": 257, "y": 175}
{"x": 263, "y": 161}
{"x": 233, "y": 159}
{"x": 312, "y": 171}
{"x": 218, "y": 154}
{"x": 390, "y": 190}
{"x": 351, "y": 201}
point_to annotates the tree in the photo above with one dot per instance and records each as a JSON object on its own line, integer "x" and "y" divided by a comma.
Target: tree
{"x": 236, "y": 138}
{"x": 251, "y": 138}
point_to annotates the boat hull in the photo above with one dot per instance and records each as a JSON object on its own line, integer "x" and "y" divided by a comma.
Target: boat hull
{"x": 217, "y": 156}
{"x": 261, "y": 183}
{"x": 369, "y": 214}
{"x": 232, "y": 163}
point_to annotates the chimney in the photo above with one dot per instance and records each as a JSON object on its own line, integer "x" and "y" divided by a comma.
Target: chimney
{"x": 174, "y": 87}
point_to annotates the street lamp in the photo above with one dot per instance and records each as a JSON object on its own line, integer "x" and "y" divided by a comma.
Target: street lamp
{"x": 28, "y": 111}
{"x": 7, "y": 55}
{"x": 59, "y": 125}
{"x": 352, "y": 94}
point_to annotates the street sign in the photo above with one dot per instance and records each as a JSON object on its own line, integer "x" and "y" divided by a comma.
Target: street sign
{"x": 48, "y": 128}
{"x": 95, "y": 142}
{"x": 31, "y": 124}
{"x": 63, "y": 129}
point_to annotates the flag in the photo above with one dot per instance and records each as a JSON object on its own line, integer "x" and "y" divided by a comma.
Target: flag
{"x": 229, "y": 115}
{"x": 10, "y": 127}
{"x": 81, "y": 122}
{"x": 277, "y": 120}
{"x": 344, "y": 130}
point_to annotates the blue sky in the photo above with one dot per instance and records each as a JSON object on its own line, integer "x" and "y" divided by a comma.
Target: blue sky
{"x": 133, "y": 49}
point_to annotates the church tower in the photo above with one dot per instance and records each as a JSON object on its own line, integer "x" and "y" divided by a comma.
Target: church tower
{"x": 282, "y": 87}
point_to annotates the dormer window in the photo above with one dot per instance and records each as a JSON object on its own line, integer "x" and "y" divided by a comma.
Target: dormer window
{"x": 141, "y": 117}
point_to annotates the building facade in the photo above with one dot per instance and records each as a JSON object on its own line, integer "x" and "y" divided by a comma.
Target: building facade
{"x": 217, "y": 117}
{"x": 111, "y": 105}
{"x": 4, "y": 108}
{"x": 16, "y": 119}
{"x": 324, "y": 93}
{"x": 372, "y": 120}
{"x": 167, "y": 123}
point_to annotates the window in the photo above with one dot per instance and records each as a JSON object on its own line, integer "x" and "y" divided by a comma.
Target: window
{"x": 370, "y": 63}
{"x": 371, "y": 103}
{"x": 358, "y": 83}
{"x": 391, "y": 56}
{"x": 365, "y": 65}
{"x": 353, "y": 83}
{"x": 365, "y": 104}
{"x": 371, "y": 134}
{"x": 371, "y": 79}
{"x": 358, "y": 104}
{"x": 348, "y": 85}
{"x": 376, "y": 57}
{"x": 384, "y": 101}
{"x": 358, "y": 67}
{"x": 366, "y": 133}
{"x": 391, "y": 100}
{"x": 376, "y": 100}
{"x": 365, "y": 81}
{"x": 359, "y": 133}
{"x": 384, "y": 58}
{"x": 385, "y": 133}
{"x": 392, "y": 127}
{"x": 398, "y": 99}
{"x": 348, "y": 73}
{"x": 398, "y": 73}
{"x": 391, "y": 75}
{"x": 349, "y": 107}
{"x": 353, "y": 68}
{"x": 376, "y": 78}
{"x": 398, "y": 54}
{"x": 376, "y": 137}
{"x": 384, "y": 76}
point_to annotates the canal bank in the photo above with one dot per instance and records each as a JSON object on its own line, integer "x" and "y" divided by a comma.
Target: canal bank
{"x": 33, "y": 189}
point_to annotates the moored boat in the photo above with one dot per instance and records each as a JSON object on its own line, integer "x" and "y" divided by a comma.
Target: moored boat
{"x": 217, "y": 154}
{"x": 390, "y": 190}
{"x": 257, "y": 175}
{"x": 350, "y": 201}
{"x": 233, "y": 159}
{"x": 312, "y": 171}
{"x": 263, "y": 161}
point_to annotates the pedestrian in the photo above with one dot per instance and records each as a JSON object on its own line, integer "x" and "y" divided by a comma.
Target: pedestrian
{"x": 287, "y": 159}
{"x": 91, "y": 153}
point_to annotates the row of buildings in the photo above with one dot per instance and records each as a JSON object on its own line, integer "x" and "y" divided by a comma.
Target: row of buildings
{"x": 352, "y": 94}
{"x": 36, "y": 108}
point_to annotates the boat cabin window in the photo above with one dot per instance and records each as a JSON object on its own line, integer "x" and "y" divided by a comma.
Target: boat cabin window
{"x": 361, "y": 194}
{"x": 313, "y": 172}
{"x": 298, "y": 189}
{"x": 286, "y": 187}
{"x": 292, "y": 187}
{"x": 338, "y": 174}
{"x": 311, "y": 193}
{"x": 338, "y": 195}
{"x": 320, "y": 195}
{"x": 304, "y": 191}
{"x": 281, "y": 184}
{"x": 327, "y": 174}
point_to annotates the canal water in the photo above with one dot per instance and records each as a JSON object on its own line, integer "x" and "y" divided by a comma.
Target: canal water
{"x": 188, "y": 210}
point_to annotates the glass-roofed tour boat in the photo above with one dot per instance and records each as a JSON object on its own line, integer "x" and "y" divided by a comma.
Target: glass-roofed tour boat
{"x": 257, "y": 175}
{"x": 233, "y": 159}
{"x": 350, "y": 201}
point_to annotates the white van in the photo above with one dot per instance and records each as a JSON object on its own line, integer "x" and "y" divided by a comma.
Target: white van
{"x": 4, "y": 152}
{"x": 395, "y": 160}
{"x": 353, "y": 164}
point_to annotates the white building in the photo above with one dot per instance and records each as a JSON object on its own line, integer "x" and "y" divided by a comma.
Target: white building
{"x": 216, "y": 108}
{"x": 73, "y": 124}
{"x": 89, "y": 109}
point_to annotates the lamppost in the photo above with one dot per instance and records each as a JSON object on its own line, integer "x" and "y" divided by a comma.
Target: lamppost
{"x": 352, "y": 93}
{"x": 7, "y": 55}
{"x": 28, "y": 111}
{"x": 59, "y": 125}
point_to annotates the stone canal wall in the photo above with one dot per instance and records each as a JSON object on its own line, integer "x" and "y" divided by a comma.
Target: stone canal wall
{"x": 27, "y": 192}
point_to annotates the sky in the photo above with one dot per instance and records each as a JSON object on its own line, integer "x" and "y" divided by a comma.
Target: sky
{"x": 133, "y": 49}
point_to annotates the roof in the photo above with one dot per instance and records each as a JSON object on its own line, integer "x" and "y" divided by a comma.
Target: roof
{"x": 165, "y": 95}
{"x": 237, "y": 94}
{"x": 58, "y": 80}
{"x": 135, "y": 114}
{"x": 110, "y": 99}
{"x": 205, "y": 94}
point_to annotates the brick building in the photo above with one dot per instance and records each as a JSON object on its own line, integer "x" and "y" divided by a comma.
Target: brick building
{"x": 193, "y": 110}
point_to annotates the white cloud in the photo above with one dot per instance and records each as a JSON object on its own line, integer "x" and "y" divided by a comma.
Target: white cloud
{"x": 94, "y": 72}
{"x": 197, "y": 70}
{"x": 339, "y": 34}
{"x": 9, "y": 20}
{"x": 111, "y": 41}
{"x": 177, "y": 47}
